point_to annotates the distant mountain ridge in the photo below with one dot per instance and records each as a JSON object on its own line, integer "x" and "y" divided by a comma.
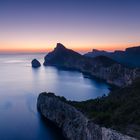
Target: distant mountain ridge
{"x": 61, "y": 56}
{"x": 130, "y": 57}
{"x": 101, "y": 66}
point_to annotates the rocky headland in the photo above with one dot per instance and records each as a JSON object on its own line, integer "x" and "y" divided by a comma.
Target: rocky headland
{"x": 101, "y": 67}
{"x": 74, "y": 125}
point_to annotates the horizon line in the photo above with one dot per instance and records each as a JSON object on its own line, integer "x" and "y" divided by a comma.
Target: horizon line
{"x": 77, "y": 49}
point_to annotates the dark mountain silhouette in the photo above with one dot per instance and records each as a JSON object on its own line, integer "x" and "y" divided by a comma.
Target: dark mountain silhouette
{"x": 130, "y": 57}
{"x": 61, "y": 56}
{"x": 101, "y": 67}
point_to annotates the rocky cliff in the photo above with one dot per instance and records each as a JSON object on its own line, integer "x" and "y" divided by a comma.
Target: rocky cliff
{"x": 102, "y": 67}
{"x": 74, "y": 125}
{"x": 119, "y": 110}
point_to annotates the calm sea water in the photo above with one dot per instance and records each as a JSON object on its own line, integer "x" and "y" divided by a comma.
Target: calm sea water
{"x": 19, "y": 87}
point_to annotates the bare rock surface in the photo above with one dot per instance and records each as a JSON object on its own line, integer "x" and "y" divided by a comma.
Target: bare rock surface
{"x": 74, "y": 125}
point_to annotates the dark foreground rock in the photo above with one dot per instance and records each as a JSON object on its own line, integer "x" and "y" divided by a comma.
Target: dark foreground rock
{"x": 35, "y": 63}
{"x": 74, "y": 125}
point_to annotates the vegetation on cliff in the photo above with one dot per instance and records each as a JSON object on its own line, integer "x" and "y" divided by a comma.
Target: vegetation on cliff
{"x": 35, "y": 63}
{"x": 73, "y": 123}
{"x": 119, "y": 110}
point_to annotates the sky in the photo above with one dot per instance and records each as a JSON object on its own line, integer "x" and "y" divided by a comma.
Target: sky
{"x": 37, "y": 25}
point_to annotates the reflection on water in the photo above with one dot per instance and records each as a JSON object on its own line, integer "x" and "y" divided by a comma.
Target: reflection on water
{"x": 20, "y": 86}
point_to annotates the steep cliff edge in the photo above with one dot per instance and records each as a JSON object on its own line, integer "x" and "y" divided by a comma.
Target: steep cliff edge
{"x": 74, "y": 125}
{"x": 100, "y": 67}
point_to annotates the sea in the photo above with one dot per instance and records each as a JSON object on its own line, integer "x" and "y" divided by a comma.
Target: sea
{"x": 20, "y": 85}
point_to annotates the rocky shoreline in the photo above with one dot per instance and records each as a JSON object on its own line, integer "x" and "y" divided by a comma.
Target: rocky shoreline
{"x": 74, "y": 125}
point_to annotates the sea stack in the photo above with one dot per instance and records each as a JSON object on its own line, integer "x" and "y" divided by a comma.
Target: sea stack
{"x": 35, "y": 63}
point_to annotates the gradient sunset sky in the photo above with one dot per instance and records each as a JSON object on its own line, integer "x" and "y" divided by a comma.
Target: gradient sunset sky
{"x": 37, "y": 25}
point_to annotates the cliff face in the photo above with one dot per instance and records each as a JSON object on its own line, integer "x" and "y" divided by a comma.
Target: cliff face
{"x": 119, "y": 110}
{"x": 116, "y": 74}
{"x": 101, "y": 66}
{"x": 74, "y": 125}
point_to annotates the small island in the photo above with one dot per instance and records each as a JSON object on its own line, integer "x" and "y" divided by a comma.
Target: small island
{"x": 35, "y": 63}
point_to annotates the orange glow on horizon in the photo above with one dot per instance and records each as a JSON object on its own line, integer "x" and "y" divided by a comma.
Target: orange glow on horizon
{"x": 30, "y": 50}
{"x": 43, "y": 49}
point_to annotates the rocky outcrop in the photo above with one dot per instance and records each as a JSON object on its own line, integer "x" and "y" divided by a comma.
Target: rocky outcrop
{"x": 62, "y": 57}
{"x": 74, "y": 125}
{"x": 101, "y": 67}
{"x": 35, "y": 63}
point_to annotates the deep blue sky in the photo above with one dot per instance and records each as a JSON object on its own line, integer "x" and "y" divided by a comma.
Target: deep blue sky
{"x": 79, "y": 24}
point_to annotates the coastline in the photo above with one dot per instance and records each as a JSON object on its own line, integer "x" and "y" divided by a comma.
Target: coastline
{"x": 101, "y": 67}
{"x": 86, "y": 75}
{"x": 72, "y": 122}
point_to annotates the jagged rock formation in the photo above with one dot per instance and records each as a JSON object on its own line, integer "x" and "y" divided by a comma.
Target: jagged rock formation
{"x": 62, "y": 57}
{"x": 35, "y": 63}
{"x": 102, "y": 67}
{"x": 129, "y": 57}
{"x": 74, "y": 125}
